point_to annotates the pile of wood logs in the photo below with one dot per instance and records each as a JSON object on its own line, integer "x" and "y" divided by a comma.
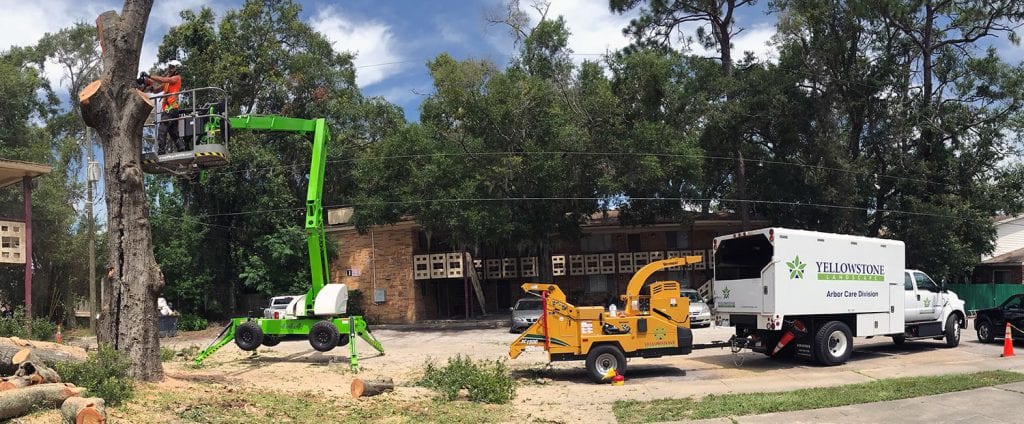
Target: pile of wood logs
{"x": 31, "y": 383}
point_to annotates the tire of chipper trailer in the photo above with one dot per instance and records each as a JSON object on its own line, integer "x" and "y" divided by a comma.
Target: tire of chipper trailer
{"x": 953, "y": 330}
{"x": 323, "y": 336}
{"x": 248, "y": 336}
{"x": 602, "y": 358}
{"x": 833, "y": 343}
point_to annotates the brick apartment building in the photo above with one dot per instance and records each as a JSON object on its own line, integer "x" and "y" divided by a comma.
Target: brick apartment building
{"x": 400, "y": 279}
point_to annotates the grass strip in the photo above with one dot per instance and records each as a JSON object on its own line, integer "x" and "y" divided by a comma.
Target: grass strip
{"x": 714, "y": 406}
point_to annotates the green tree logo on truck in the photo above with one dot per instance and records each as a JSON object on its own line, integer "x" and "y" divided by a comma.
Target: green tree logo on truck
{"x": 796, "y": 268}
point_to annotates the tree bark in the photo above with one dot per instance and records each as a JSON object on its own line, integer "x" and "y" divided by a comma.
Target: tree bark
{"x": 366, "y": 388}
{"x": 117, "y": 111}
{"x": 14, "y": 351}
{"x": 15, "y": 403}
{"x": 79, "y": 410}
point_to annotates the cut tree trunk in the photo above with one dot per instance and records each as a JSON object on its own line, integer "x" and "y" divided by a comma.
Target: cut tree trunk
{"x": 79, "y": 410}
{"x": 10, "y": 383}
{"x": 15, "y": 403}
{"x": 37, "y": 373}
{"x": 366, "y": 388}
{"x": 117, "y": 111}
{"x": 14, "y": 351}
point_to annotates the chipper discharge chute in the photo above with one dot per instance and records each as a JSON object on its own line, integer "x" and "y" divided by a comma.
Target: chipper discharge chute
{"x": 655, "y": 322}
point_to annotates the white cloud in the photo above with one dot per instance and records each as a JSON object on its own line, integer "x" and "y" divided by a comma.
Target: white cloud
{"x": 594, "y": 28}
{"x": 756, "y": 39}
{"x": 372, "y": 42}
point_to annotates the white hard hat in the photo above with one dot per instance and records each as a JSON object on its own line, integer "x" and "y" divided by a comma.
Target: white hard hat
{"x": 174, "y": 63}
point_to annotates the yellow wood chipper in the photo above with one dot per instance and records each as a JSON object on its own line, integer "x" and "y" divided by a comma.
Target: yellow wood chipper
{"x": 652, "y": 324}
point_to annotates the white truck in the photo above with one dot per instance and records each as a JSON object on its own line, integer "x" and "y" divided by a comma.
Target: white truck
{"x": 809, "y": 293}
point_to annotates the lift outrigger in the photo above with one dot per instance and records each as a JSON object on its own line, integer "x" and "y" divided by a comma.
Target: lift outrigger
{"x": 320, "y": 314}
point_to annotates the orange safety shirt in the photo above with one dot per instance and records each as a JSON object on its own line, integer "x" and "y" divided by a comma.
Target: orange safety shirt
{"x": 172, "y": 89}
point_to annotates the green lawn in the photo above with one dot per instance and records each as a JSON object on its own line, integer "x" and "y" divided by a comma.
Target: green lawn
{"x": 714, "y": 406}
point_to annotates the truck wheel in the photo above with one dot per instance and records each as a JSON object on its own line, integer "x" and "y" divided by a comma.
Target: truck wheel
{"x": 899, "y": 339}
{"x": 603, "y": 358}
{"x": 953, "y": 330}
{"x": 248, "y": 336}
{"x": 833, "y": 343}
{"x": 985, "y": 334}
{"x": 269, "y": 340}
{"x": 323, "y": 336}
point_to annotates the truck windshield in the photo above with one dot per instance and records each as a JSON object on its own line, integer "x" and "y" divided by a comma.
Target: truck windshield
{"x": 742, "y": 258}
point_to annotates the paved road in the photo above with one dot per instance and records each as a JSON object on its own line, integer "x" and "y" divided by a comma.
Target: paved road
{"x": 997, "y": 404}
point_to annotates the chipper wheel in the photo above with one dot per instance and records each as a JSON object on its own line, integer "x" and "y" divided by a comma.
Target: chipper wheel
{"x": 603, "y": 358}
{"x": 248, "y": 336}
{"x": 323, "y": 336}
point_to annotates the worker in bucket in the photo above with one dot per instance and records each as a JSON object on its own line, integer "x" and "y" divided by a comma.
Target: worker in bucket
{"x": 167, "y": 136}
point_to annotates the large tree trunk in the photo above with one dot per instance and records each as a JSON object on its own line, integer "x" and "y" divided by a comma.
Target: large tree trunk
{"x": 117, "y": 111}
{"x": 14, "y": 351}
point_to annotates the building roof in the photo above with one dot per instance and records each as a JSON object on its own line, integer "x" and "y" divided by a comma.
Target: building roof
{"x": 1015, "y": 257}
{"x": 13, "y": 171}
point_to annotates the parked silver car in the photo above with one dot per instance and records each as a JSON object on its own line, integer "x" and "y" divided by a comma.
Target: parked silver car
{"x": 526, "y": 312}
{"x": 700, "y": 313}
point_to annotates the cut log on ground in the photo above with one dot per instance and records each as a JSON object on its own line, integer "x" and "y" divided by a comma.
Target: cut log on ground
{"x": 15, "y": 403}
{"x": 46, "y": 353}
{"x": 10, "y": 383}
{"x": 37, "y": 373}
{"x": 365, "y": 388}
{"x": 78, "y": 410}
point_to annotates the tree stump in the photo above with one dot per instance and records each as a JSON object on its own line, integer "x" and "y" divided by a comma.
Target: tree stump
{"x": 15, "y": 403}
{"x": 366, "y": 388}
{"x": 78, "y": 410}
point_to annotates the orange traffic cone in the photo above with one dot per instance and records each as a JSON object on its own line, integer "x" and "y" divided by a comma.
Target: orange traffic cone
{"x": 1007, "y": 343}
{"x": 60, "y": 340}
{"x": 788, "y": 337}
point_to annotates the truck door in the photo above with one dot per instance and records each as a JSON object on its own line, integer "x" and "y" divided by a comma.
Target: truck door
{"x": 1013, "y": 312}
{"x": 922, "y": 297}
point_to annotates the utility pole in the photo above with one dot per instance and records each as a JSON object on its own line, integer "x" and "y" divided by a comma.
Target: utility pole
{"x": 92, "y": 174}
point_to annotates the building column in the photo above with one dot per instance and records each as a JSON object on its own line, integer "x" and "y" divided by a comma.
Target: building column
{"x": 26, "y": 183}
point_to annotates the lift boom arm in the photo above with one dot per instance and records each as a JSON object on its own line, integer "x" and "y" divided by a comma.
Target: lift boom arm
{"x": 315, "y": 238}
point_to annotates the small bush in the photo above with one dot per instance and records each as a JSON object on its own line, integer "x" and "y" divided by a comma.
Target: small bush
{"x": 37, "y": 329}
{"x": 167, "y": 354}
{"x": 485, "y": 381}
{"x": 103, "y": 374}
{"x": 355, "y": 303}
{"x": 191, "y": 322}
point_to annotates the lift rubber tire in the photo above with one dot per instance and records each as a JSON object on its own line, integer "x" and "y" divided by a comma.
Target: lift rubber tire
{"x": 248, "y": 336}
{"x": 323, "y": 336}
{"x": 342, "y": 340}
{"x": 899, "y": 339}
{"x": 833, "y": 344}
{"x": 985, "y": 331}
{"x": 953, "y": 330}
{"x": 270, "y": 341}
{"x": 601, "y": 359}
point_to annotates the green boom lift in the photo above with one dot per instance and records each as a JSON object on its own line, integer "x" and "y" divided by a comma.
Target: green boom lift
{"x": 319, "y": 315}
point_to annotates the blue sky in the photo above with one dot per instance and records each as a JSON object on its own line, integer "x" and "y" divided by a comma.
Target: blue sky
{"x": 392, "y": 39}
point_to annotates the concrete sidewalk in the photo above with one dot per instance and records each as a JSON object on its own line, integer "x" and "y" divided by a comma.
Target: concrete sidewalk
{"x": 996, "y": 404}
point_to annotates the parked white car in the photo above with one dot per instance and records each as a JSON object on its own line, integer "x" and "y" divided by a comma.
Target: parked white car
{"x": 700, "y": 313}
{"x": 277, "y": 306}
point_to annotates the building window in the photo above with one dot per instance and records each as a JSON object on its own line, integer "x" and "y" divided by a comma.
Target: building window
{"x": 596, "y": 243}
{"x": 9, "y": 242}
{"x": 1001, "y": 276}
{"x": 677, "y": 239}
{"x": 597, "y": 284}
